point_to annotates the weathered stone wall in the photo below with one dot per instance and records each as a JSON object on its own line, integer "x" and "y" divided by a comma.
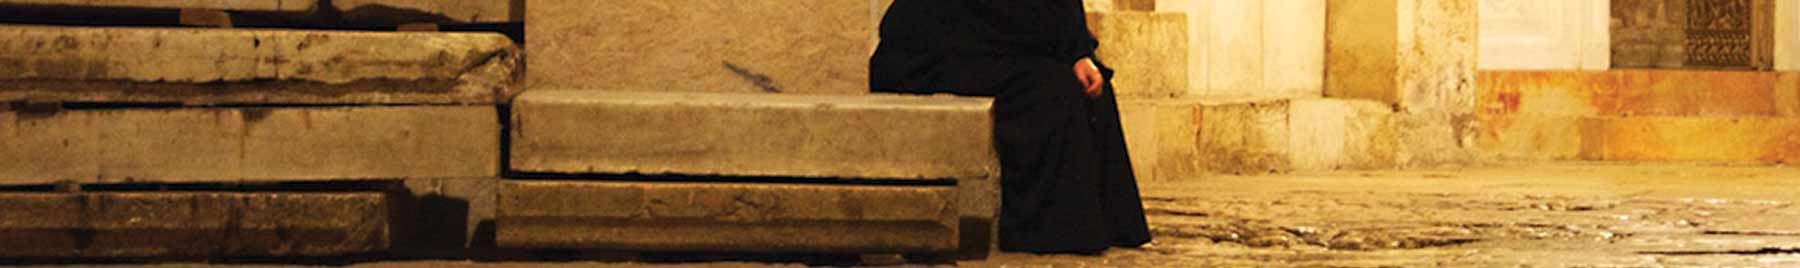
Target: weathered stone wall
{"x": 1545, "y": 34}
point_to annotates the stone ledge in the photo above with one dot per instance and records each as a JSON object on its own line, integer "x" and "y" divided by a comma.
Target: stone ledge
{"x": 746, "y": 217}
{"x": 365, "y": 11}
{"x": 1636, "y": 93}
{"x": 142, "y": 225}
{"x": 223, "y": 66}
{"x": 248, "y": 144}
{"x": 753, "y": 135}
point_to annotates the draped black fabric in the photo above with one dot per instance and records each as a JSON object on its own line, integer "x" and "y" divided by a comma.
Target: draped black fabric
{"x": 1066, "y": 181}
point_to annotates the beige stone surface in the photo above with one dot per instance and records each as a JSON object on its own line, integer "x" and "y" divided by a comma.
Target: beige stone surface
{"x": 1147, "y": 49}
{"x": 233, "y": 5}
{"x": 191, "y": 224}
{"x": 1293, "y": 48}
{"x": 449, "y": 11}
{"x": 888, "y": 136}
{"x": 1234, "y": 47}
{"x": 248, "y": 144}
{"x": 1161, "y": 137}
{"x": 1787, "y": 35}
{"x": 804, "y": 46}
{"x": 1532, "y": 137}
{"x": 1362, "y": 45}
{"x": 225, "y": 66}
{"x": 1545, "y": 34}
{"x": 752, "y": 217}
{"x": 1761, "y": 140}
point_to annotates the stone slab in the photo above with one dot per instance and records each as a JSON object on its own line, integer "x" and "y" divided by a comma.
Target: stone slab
{"x": 191, "y": 224}
{"x": 1147, "y": 49}
{"x": 443, "y": 11}
{"x": 226, "y": 66}
{"x": 1545, "y": 35}
{"x": 1760, "y": 140}
{"x": 1293, "y": 48}
{"x": 248, "y": 144}
{"x": 712, "y": 217}
{"x": 878, "y": 136}
{"x": 232, "y": 5}
{"x": 1631, "y": 93}
{"x": 801, "y": 46}
{"x": 1532, "y": 137}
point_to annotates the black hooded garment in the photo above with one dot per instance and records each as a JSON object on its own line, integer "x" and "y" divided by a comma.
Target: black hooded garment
{"x": 1066, "y": 181}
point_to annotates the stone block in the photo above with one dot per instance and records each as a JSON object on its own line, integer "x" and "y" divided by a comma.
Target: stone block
{"x": 1631, "y": 93}
{"x": 1787, "y": 35}
{"x": 802, "y": 46}
{"x": 443, "y": 11}
{"x": 1293, "y": 48}
{"x": 1181, "y": 139}
{"x": 1760, "y": 140}
{"x": 1148, "y": 49}
{"x": 224, "y": 66}
{"x": 232, "y": 5}
{"x": 1533, "y": 137}
{"x": 193, "y": 224}
{"x": 749, "y": 217}
{"x": 886, "y": 136}
{"x": 1417, "y": 56}
{"x": 1787, "y": 94}
{"x": 248, "y": 144}
{"x": 1545, "y": 35}
{"x": 1253, "y": 49}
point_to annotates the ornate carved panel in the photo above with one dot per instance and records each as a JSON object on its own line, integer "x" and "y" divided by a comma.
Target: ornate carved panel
{"x": 1702, "y": 34}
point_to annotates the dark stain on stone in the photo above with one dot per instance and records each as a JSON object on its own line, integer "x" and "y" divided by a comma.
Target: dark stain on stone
{"x": 27, "y": 110}
{"x": 254, "y": 115}
{"x": 756, "y": 79}
{"x": 83, "y": 235}
{"x": 67, "y": 43}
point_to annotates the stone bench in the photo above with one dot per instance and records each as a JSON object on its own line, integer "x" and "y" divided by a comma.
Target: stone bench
{"x": 787, "y": 173}
{"x": 175, "y": 224}
{"x": 382, "y": 11}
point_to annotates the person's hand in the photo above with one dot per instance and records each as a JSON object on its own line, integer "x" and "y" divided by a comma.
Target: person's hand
{"x": 1090, "y": 76}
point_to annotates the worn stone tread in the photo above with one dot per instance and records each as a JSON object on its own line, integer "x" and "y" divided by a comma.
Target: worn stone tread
{"x": 229, "y": 66}
{"x": 191, "y": 224}
{"x": 248, "y": 144}
{"x": 748, "y": 217}
{"x": 354, "y": 11}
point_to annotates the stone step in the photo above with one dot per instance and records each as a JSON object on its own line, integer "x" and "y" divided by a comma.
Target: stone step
{"x": 1188, "y": 138}
{"x": 248, "y": 144}
{"x": 879, "y": 136}
{"x": 225, "y": 66}
{"x": 1639, "y": 93}
{"x": 371, "y": 11}
{"x": 793, "y": 46}
{"x": 868, "y": 137}
{"x": 1745, "y": 140}
{"x": 191, "y": 224}
{"x": 729, "y": 217}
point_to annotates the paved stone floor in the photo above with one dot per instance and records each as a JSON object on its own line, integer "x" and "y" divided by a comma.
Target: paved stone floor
{"x": 1520, "y": 215}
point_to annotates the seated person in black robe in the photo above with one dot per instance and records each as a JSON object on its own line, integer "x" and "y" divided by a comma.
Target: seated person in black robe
{"x": 1066, "y": 182}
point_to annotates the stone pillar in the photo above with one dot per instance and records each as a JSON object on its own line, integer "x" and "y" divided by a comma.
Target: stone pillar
{"x": 1787, "y": 35}
{"x": 1418, "y": 56}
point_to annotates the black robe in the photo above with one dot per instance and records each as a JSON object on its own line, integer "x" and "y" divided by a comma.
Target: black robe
{"x": 1066, "y": 181}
